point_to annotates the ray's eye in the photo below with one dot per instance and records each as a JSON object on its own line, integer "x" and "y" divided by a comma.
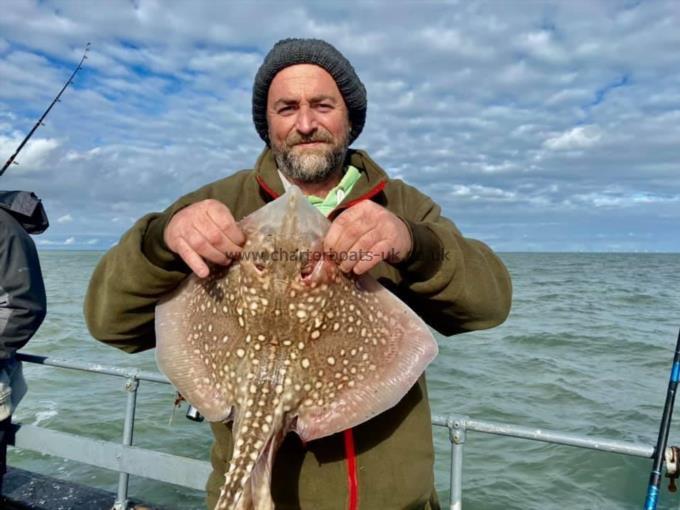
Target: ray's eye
{"x": 260, "y": 266}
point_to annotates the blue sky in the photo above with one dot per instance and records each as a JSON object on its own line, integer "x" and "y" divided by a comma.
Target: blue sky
{"x": 537, "y": 126}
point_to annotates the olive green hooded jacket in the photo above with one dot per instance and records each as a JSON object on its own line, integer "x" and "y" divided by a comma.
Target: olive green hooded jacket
{"x": 455, "y": 284}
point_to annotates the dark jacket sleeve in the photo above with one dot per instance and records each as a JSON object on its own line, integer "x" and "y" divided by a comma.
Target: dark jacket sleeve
{"x": 454, "y": 283}
{"x": 128, "y": 283}
{"x": 135, "y": 274}
{"x": 22, "y": 291}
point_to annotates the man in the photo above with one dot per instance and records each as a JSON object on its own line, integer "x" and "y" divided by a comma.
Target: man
{"x": 308, "y": 107}
{"x": 22, "y": 298}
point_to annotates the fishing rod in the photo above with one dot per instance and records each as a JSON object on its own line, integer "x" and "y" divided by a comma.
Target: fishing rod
{"x": 664, "y": 428}
{"x": 40, "y": 120}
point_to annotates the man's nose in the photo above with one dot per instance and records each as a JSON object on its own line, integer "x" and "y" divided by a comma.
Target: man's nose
{"x": 306, "y": 121}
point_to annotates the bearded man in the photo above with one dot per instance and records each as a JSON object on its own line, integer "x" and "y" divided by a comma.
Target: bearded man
{"x": 308, "y": 107}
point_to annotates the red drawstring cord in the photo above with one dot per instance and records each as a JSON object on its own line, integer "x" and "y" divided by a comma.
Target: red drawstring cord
{"x": 352, "y": 481}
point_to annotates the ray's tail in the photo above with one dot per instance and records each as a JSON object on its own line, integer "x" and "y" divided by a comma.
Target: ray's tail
{"x": 246, "y": 484}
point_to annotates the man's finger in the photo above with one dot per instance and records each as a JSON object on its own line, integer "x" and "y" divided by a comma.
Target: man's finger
{"x": 231, "y": 251}
{"x": 340, "y": 224}
{"x": 192, "y": 259}
{"x": 217, "y": 241}
{"x": 224, "y": 221}
{"x": 350, "y": 234}
{"x": 347, "y": 259}
{"x": 362, "y": 250}
{"x": 198, "y": 241}
{"x": 373, "y": 257}
{"x": 354, "y": 245}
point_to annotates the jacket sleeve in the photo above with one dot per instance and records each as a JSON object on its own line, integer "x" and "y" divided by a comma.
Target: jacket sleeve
{"x": 455, "y": 284}
{"x": 127, "y": 284}
{"x": 22, "y": 291}
{"x": 135, "y": 274}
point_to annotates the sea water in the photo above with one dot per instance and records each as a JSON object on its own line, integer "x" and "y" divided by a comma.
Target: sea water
{"x": 587, "y": 350}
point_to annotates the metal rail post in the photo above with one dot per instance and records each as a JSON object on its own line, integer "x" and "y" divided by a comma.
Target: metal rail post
{"x": 457, "y": 433}
{"x": 128, "y": 427}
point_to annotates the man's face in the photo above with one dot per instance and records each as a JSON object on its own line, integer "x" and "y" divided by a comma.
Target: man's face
{"x": 308, "y": 123}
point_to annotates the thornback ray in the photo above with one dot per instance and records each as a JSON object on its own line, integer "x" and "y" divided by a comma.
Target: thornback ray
{"x": 283, "y": 341}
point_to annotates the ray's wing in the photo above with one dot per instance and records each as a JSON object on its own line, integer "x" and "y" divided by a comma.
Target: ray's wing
{"x": 196, "y": 333}
{"x": 367, "y": 355}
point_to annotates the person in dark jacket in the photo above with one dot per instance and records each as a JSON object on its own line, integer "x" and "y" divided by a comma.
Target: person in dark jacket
{"x": 22, "y": 298}
{"x": 309, "y": 106}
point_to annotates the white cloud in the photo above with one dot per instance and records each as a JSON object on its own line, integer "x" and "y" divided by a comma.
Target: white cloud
{"x": 75, "y": 155}
{"x": 67, "y": 218}
{"x": 50, "y": 242}
{"x": 540, "y": 44}
{"x": 524, "y": 110}
{"x": 454, "y": 41}
{"x": 228, "y": 62}
{"x": 34, "y": 155}
{"x": 476, "y": 192}
{"x": 613, "y": 199}
{"x": 570, "y": 96}
{"x": 580, "y": 137}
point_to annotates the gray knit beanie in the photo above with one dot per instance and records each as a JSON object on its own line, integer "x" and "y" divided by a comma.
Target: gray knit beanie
{"x": 288, "y": 52}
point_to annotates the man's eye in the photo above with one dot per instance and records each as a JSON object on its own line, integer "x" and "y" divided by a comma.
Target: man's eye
{"x": 325, "y": 107}
{"x": 285, "y": 109}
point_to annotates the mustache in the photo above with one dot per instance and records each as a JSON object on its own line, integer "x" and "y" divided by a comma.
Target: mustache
{"x": 318, "y": 136}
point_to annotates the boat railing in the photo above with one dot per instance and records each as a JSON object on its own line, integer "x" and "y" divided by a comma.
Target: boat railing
{"x": 129, "y": 460}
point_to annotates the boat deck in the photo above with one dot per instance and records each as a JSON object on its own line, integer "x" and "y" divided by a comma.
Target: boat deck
{"x": 25, "y": 490}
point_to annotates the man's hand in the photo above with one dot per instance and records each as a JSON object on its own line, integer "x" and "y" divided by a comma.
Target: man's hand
{"x": 366, "y": 234}
{"x": 204, "y": 231}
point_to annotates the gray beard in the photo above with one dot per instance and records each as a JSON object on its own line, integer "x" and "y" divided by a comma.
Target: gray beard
{"x": 311, "y": 167}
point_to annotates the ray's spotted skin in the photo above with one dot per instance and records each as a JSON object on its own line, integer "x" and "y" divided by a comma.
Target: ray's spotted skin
{"x": 283, "y": 341}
